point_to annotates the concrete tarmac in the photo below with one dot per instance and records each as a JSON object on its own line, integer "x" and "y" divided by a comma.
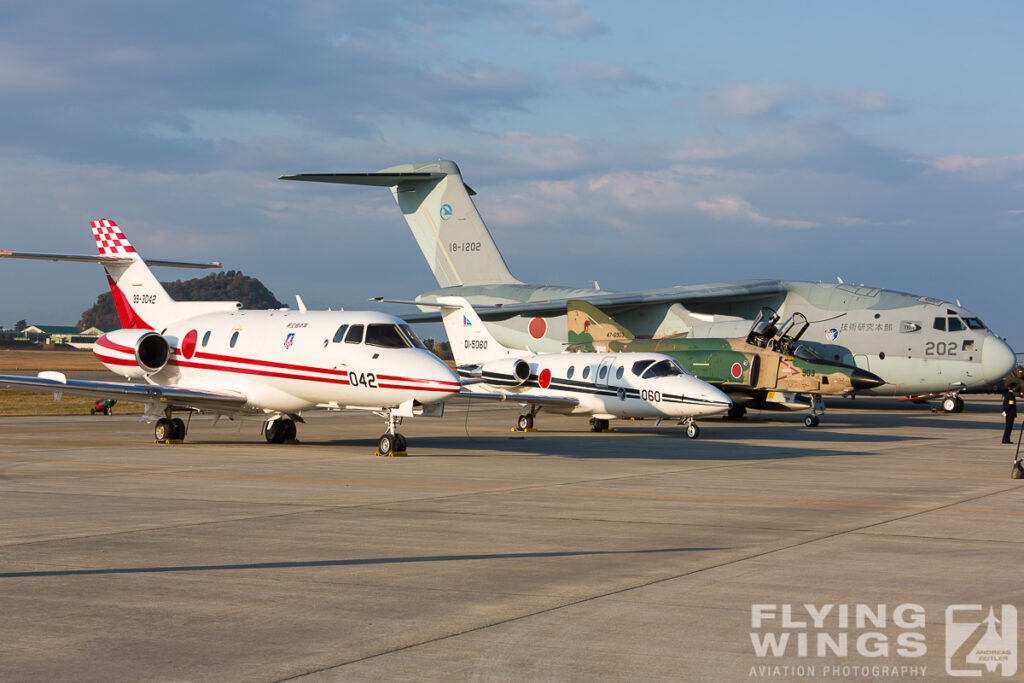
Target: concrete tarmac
{"x": 492, "y": 556}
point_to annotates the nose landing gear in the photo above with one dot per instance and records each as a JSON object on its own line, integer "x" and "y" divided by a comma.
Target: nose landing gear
{"x": 391, "y": 443}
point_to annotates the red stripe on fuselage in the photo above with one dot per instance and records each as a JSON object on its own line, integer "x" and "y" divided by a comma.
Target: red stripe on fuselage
{"x": 106, "y": 343}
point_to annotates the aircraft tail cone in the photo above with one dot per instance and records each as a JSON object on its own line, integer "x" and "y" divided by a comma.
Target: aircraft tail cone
{"x": 862, "y": 379}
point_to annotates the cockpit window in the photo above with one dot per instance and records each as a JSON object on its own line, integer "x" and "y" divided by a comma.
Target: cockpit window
{"x": 663, "y": 368}
{"x": 640, "y": 366}
{"x": 411, "y": 336}
{"x": 940, "y": 324}
{"x": 955, "y": 324}
{"x": 386, "y": 336}
{"x": 340, "y": 334}
{"x": 355, "y": 335}
{"x": 974, "y": 323}
{"x": 804, "y": 352}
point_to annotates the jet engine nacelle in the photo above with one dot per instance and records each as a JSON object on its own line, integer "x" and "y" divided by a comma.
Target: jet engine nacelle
{"x": 133, "y": 353}
{"x": 506, "y": 372}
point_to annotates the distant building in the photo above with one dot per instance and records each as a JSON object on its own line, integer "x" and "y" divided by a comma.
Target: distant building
{"x": 63, "y": 334}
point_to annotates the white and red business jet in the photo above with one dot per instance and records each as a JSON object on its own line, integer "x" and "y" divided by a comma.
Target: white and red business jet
{"x": 266, "y": 365}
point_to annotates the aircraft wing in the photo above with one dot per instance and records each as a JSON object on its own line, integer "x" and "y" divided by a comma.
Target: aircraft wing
{"x": 532, "y": 399}
{"x": 175, "y": 397}
{"x": 614, "y": 302}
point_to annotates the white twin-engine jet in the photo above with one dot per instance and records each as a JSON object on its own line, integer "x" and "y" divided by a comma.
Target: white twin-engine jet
{"x": 601, "y": 385}
{"x": 260, "y": 365}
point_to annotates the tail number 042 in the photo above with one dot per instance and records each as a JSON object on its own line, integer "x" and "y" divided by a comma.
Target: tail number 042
{"x": 362, "y": 379}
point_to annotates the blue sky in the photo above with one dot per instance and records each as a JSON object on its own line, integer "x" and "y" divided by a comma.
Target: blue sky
{"x": 639, "y": 144}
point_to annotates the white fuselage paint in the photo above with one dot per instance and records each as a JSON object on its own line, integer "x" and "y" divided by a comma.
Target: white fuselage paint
{"x": 595, "y": 380}
{"x": 287, "y": 361}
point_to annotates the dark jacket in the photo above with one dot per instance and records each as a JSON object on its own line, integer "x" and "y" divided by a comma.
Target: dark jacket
{"x": 1010, "y": 404}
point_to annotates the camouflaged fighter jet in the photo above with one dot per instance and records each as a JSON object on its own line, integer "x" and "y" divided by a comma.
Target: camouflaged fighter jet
{"x": 921, "y": 345}
{"x": 768, "y": 369}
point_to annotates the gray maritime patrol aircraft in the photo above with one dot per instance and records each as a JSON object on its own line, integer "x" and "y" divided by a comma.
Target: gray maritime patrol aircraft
{"x": 921, "y": 346}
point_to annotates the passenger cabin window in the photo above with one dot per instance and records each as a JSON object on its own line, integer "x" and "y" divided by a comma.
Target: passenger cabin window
{"x": 955, "y": 324}
{"x": 206, "y": 338}
{"x": 940, "y": 324}
{"x": 386, "y": 336}
{"x": 618, "y": 373}
{"x": 234, "y": 338}
{"x": 640, "y": 366}
{"x": 354, "y": 335}
{"x": 663, "y": 368}
{"x": 569, "y": 372}
{"x": 340, "y": 334}
{"x": 586, "y": 372}
{"x": 603, "y": 371}
{"x": 413, "y": 339}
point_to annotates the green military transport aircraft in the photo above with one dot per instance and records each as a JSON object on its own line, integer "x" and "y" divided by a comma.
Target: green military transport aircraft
{"x": 767, "y": 369}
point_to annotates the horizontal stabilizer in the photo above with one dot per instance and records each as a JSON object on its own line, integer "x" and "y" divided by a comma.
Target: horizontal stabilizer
{"x": 376, "y": 179}
{"x": 109, "y": 260}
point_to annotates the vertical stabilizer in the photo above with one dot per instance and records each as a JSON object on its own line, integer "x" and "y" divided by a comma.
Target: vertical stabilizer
{"x": 592, "y": 328}
{"x": 140, "y": 299}
{"x": 437, "y": 206}
{"x": 471, "y": 342}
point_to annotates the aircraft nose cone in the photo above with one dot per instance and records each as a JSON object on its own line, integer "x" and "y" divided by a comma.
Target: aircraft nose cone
{"x": 997, "y": 360}
{"x": 862, "y": 379}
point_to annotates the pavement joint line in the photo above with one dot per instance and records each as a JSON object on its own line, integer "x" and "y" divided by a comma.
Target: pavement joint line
{"x": 645, "y": 584}
{"x": 528, "y": 489}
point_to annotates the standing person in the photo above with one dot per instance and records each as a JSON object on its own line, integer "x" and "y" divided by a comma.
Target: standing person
{"x": 1009, "y": 412}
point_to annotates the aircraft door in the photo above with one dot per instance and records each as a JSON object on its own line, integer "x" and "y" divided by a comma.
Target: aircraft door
{"x": 604, "y": 371}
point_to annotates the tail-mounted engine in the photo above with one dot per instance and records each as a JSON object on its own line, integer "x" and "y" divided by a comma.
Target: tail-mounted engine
{"x": 509, "y": 372}
{"x": 133, "y": 353}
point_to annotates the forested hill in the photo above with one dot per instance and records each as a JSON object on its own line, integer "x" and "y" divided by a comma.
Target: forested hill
{"x": 226, "y": 286}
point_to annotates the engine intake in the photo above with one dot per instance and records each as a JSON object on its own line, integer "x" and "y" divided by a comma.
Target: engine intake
{"x": 133, "y": 353}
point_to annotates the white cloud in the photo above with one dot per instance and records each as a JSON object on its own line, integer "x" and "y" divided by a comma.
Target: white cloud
{"x": 737, "y": 208}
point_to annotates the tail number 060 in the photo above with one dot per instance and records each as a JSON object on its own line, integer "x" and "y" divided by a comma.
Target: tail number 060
{"x": 362, "y": 379}
{"x": 653, "y": 396}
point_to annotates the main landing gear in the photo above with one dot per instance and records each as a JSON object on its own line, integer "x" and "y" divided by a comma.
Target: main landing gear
{"x": 169, "y": 428}
{"x": 524, "y": 422}
{"x": 281, "y": 430}
{"x": 391, "y": 443}
{"x": 952, "y": 403}
{"x": 599, "y": 425}
{"x": 736, "y": 412}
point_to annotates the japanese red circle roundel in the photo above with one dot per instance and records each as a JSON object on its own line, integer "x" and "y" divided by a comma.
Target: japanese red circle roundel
{"x": 188, "y": 344}
{"x": 737, "y": 370}
{"x": 545, "y": 378}
{"x": 538, "y": 328}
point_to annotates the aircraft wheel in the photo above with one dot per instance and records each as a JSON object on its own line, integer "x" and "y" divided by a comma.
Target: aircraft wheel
{"x": 525, "y": 422}
{"x": 598, "y": 425}
{"x": 177, "y": 428}
{"x": 276, "y": 431}
{"x": 737, "y": 412}
{"x": 949, "y": 404}
{"x": 386, "y": 444}
{"x": 163, "y": 430}
{"x": 692, "y": 430}
{"x": 400, "y": 442}
{"x": 290, "y": 430}
{"x": 959, "y": 405}
{"x": 811, "y": 420}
